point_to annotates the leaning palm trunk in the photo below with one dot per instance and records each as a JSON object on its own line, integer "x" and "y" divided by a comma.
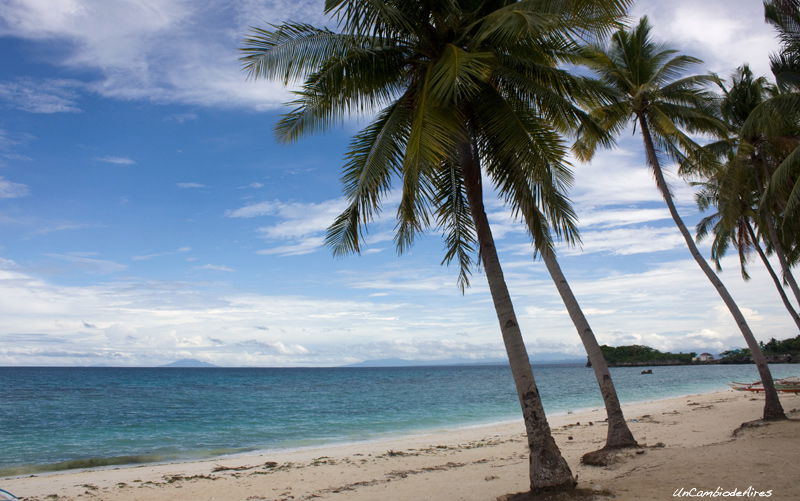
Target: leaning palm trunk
{"x": 548, "y": 469}
{"x": 619, "y": 435}
{"x": 775, "y": 279}
{"x": 772, "y": 405}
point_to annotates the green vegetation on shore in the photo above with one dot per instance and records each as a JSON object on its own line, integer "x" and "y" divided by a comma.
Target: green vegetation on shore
{"x": 636, "y": 354}
{"x": 783, "y": 351}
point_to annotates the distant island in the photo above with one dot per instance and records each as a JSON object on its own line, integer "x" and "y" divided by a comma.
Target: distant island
{"x": 636, "y": 355}
{"x": 188, "y": 362}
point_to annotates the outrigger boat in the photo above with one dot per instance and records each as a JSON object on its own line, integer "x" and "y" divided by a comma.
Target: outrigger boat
{"x": 785, "y": 385}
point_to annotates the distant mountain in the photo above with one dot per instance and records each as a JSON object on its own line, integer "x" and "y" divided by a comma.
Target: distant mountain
{"x": 188, "y": 362}
{"x": 544, "y": 358}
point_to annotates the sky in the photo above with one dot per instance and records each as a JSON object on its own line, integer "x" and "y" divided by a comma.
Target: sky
{"x": 148, "y": 213}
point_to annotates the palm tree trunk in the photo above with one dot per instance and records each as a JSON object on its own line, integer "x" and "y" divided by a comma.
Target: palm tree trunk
{"x": 772, "y": 405}
{"x": 619, "y": 435}
{"x": 775, "y": 278}
{"x": 548, "y": 469}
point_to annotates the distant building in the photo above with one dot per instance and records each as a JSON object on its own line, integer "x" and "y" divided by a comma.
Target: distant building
{"x": 704, "y": 357}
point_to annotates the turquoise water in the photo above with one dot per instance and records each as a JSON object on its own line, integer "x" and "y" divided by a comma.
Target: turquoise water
{"x": 60, "y": 418}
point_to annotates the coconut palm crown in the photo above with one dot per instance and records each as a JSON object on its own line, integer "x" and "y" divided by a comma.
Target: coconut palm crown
{"x": 463, "y": 88}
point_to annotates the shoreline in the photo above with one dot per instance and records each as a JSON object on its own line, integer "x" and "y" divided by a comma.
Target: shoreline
{"x": 479, "y": 462}
{"x": 388, "y": 437}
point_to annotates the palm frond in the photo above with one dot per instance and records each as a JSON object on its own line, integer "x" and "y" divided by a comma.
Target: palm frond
{"x": 454, "y": 217}
{"x": 374, "y": 156}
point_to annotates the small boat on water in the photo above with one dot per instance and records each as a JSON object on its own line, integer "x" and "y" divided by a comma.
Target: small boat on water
{"x": 785, "y": 385}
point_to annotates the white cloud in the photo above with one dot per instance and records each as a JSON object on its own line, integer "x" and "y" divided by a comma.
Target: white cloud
{"x": 302, "y": 247}
{"x": 299, "y": 220}
{"x": 620, "y": 177}
{"x": 302, "y": 224}
{"x": 116, "y": 160}
{"x": 190, "y": 185}
{"x": 273, "y": 347}
{"x": 422, "y": 316}
{"x": 9, "y": 189}
{"x": 132, "y": 45}
{"x": 724, "y": 33}
{"x": 618, "y": 241}
{"x": 254, "y": 210}
{"x": 613, "y": 217}
{"x": 412, "y": 280}
{"x": 626, "y": 241}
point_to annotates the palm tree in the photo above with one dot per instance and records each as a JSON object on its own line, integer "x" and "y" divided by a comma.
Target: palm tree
{"x": 644, "y": 76}
{"x": 732, "y": 223}
{"x": 464, "y": 87}
{"x": 784, "y": 15}
{"x": 774, "y": 122}
{"x": 758, "y": 151}
{"x": 735, "y": 185}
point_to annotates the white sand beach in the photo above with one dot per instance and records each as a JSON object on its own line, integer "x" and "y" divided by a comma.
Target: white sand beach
{"x": 688, "y": 443}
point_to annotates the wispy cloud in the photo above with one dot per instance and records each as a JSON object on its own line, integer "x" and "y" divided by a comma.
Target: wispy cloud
{"x": 300, "y": 219}
{"x": 303, "y": 224}
{"x": 9, "y": 189}
{"x": 145, "y": 257}
{"x": 301, "y": 247}
{"x": 41, "y": 96}
{"x": 190, "y": 185}
{"x": 621, "y": 177}
{"x": 300, "y": 223}
{"x": 618, "y": 241}
{"x": 215, "y": 267}
{"x": 614, "y": 217}
{"x": 83, "y": 262}
{"x": 255, "y": 210}
{"x": 116, "y": 160}
{"x": 627, "y": 241}
{"x": 182, "y": 117}
{"x": 47, "y": 228}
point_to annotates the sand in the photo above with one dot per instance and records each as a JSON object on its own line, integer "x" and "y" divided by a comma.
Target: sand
{"x": 688, "y": 443}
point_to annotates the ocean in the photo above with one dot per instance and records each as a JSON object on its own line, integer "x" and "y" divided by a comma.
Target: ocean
{"x": 54, "y": 418}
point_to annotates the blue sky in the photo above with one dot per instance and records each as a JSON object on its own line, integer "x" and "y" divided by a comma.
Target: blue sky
{"x": 148, "y": 214}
